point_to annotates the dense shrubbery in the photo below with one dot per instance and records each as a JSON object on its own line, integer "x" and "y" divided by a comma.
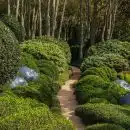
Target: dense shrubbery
{"x": 105, "y": 126}
{"x": 28, "y": 60}
{"x": 48, "y": 52}
{"x": 111, "y": 60}
{"x": 15, "y": 26}
{"x": 29, "y": 114}
{"x": 124, "y": 76}
{"x": 113, "y": 46}
{"x": 9, "y": 54}
{"x": 104, "y": 113}
{"x": 105, "y": 72}
{"x": 48, "y": 68}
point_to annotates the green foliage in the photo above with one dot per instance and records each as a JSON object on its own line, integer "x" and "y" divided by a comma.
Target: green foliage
{"x": 104, "y": 113}
{"x": 48, "y": 68}
{"x": 9, "y": 54}
{"x": 15, "y": 26}
{"x": 44, "y": 90}
{"x": 50, "y": 52}
{"x": 111, "y": 46}
{"x": 10, "y": 105}
{"x": 104, "y": 126}
{"x": 28, "y": 60}
{"x": 98, "y": 100}
{"x": 111, "y": 60}
{"x": 35, "y": 118}
{"x": 93, "y": 80}
{"x": 62, "y": 44}
{"x": 105, "y": 72}
{"x": 124, "y": 76}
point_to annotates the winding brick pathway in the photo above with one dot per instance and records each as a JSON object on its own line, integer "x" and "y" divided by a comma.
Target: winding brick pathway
{"x": 68, "y": 100}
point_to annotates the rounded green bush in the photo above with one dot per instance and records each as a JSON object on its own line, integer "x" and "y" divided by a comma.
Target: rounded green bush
{"x": 98, "y": 100}
{"x": 110, "y": 46}
{"x": 51, "y": 52}
{"x": 104, "y": 113}
{"x": 28, "y": 60}
{"x": 105, "y": 72}
{"x": 48, "y": 68}
{"x": 15, "y": 26}
{"x": 9, "y": 54}
{"x": 62, "y": 44}
{"x": 10, "y": 105}
{"x": 93, "y": 80}
{"x": 35, "y": 118}
{"x": 105, "y": 126}
{"x": 111, "y": 60}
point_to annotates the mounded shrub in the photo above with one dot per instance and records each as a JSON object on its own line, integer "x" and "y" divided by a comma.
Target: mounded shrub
{"x": 104, "y": 126}
{"x": 105, "y": 72}
{"x": 104, "y": 113}
{"x": 111, "y": 60}
{"x": 10, "y": 105}
{"x": 51, "y": 52}
{"x": 15, "y": 26}
{"x": 9, "y": 54}
{"x": 36, "y": 118}
{"x": 44, "y": 91}
{"x": 48, "y": 68}
{"x": 110, "y": 46}
{"x": 62, "y": 44}
{"x": 28, "y": 60}
{"x": 93, "y": 80}
{"x": 98, "y": 100}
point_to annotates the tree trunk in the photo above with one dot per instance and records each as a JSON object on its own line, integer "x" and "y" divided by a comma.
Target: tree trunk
{"x": 48, "y": 19}
{"x": 9, "y": 10}
{"x": 40, "y": 19}
{"x": 55, "y": 17}
{"x": 62, "y": 18}
{"x": 17, "y": 9}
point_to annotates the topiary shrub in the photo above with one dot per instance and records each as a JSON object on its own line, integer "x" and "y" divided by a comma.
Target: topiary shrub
{"x": 9, "y": 54}
{"x": 29, "y": 61}
{"x": 104, "y": 113}
{"x": 104, "y": 126}
{"x": 62, "y": 44}
{"x": 35, "y": 118}
{"x": 48, "y": 68}
{"x": 15, "y": 26}
{"x": 93, "y": 80}
{"x": 10, "y": 105}
{"x": 105, "y": 72}
{"x": 50, "y": 52}
{"x": 110, "y": 46}
{"x": 111, "y": 60}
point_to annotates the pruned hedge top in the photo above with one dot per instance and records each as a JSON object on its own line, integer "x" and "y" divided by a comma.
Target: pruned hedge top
{"x": 9, "y": 54}
{"x": 46, "y": 51}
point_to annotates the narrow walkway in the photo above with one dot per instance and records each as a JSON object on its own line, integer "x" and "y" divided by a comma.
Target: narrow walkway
{"x": 68, "y": 100}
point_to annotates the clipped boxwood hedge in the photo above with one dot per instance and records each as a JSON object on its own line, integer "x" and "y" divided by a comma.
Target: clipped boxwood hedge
{"x": 105, "y": 126}
{"x": 110, "y": 46}
{"x": 115, "y": 61}
{"x": 9, "y": 54}
{"x": 62, "y": 44}
{"x": 104, "y": 113}
{"x": 105, "y": 72}
{"x": 15, "y": 26}
{"x": 35, "y": 118}
{"x": 46, "y": 51}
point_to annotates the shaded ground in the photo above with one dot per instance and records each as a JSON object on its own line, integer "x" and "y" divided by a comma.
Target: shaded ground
{"x": 68, "y": 100}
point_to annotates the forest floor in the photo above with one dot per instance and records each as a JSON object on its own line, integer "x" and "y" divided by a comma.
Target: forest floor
{"x": 68, "y": 100}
